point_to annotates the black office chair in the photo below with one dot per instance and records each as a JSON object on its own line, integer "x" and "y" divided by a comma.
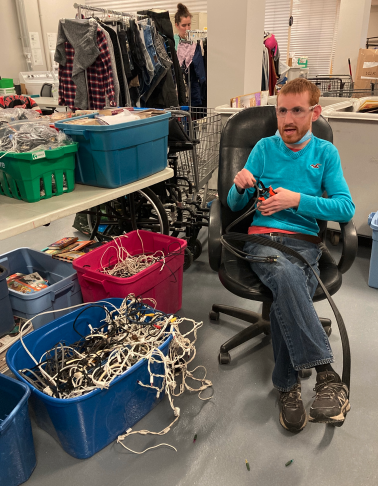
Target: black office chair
{"x": 239, "y": 136}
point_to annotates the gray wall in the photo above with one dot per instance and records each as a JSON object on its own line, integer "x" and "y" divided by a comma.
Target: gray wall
{"x": 235, "y": 46}
{"x": 352, "y": 33}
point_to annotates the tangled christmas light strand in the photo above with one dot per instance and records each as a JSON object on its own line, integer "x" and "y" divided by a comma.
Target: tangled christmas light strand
{"x": 126, "y": 335}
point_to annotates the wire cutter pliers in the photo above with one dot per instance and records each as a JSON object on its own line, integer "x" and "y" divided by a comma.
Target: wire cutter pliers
{"x": 265, "y": 193}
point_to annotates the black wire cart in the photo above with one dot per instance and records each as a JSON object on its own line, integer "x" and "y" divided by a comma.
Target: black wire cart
{"x": 333, "y": 83}
{"x": 341, "y": 86}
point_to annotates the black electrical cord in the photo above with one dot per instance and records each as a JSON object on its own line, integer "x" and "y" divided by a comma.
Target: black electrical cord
{"x": 90, "y": 307}
{"x": 225, "y": 241}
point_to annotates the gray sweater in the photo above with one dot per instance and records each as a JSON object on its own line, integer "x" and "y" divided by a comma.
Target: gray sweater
{"x": 82, "y": 35}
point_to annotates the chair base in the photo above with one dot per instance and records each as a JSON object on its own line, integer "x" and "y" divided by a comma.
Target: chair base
{"x": 260, "y": 325}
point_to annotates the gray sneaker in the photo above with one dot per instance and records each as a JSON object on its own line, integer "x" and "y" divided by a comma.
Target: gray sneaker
{"x": 331, "y": 402}
{"x": 293, "y": 415}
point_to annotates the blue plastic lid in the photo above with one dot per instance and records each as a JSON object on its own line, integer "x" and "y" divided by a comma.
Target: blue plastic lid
{"x": 373, "y": 221}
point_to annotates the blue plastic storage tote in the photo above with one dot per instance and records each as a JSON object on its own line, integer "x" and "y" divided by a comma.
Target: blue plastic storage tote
{"x": 6, "y": 321}
{"x": 85, "y": 425}
{"x": 373, "y": 272}
{"x": 17, "y": 455}
{"x": 64, "y": 290}
{"x": 116, "y": 155}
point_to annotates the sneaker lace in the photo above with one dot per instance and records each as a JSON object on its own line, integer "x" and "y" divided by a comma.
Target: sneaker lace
{"x": 328, "y": 389}
{"x": 291, "y": 398}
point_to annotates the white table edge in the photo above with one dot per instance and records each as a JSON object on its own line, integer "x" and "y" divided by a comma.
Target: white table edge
{"x": 17, "y": 216}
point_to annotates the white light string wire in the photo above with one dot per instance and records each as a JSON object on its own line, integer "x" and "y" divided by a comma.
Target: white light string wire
{"x": 122, "y": 357}
{"x": 128, "y": 265}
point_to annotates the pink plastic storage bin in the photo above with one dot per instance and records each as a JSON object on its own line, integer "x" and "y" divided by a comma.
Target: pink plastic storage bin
{"x": 165, "y": 286}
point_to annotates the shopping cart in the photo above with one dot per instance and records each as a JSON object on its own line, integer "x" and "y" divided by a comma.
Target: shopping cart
{"x": 193, "y": 143}
{"x": 334, "y": 83}
{"x": 203, "y": 127}
{"x": 354, "y": 93}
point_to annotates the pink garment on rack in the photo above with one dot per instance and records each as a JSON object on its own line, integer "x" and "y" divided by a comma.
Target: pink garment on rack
{"x": 185, "y": 52}
{"x": 271, "y": 42}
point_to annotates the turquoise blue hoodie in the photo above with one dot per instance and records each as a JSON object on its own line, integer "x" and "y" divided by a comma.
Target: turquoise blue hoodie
{"x": 311, "y": 171}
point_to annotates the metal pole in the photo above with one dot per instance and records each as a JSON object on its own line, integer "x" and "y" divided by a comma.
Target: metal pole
{"x": 24, "y": 33}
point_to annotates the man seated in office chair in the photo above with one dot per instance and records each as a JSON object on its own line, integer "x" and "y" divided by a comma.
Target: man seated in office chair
{"x": 299, "y": 167}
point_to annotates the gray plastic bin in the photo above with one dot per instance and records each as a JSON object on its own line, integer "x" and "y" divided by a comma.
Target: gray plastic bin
{"x": 64, "y": 290}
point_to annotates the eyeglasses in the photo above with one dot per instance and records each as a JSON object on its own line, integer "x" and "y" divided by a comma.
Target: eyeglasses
{"x": 297, "y": 112}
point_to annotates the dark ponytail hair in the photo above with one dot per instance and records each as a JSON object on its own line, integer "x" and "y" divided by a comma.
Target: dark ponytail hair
{"x": 182, "y": 11}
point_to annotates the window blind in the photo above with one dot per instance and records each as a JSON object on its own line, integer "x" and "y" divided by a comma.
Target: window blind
{"x": 313, "y": 33}
{"x": 277, "y": 14}
{"x": 132, "y": 6}
{"x": 335, "y": 38}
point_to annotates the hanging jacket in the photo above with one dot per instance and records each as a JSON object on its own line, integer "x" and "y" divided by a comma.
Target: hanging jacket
{"x": 113, "y": 65}
{"x": 99, "y": 76}
{"x": 122, "y": 36}
{"x": 119, "y": 63}
{"x": 82, "y": 35}
{"x": 197, "y": 78}
{"x": 164, "y": 27}
{"x": 272, "y": 73}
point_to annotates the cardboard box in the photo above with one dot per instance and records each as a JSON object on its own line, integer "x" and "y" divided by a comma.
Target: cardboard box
{"x": 367, "y": 68}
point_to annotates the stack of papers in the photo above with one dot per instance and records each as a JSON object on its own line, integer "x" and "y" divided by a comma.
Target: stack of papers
{"x": 368, "y": 106}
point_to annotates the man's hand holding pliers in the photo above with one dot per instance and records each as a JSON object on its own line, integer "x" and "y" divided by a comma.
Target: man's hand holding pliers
{"x": 282, "y": 199}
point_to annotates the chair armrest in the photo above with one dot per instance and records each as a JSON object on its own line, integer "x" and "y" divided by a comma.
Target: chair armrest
{"x": 215, "y": 232}
{"x": 350, "y": 246}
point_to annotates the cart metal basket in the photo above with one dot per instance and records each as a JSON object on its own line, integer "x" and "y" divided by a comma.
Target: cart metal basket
{"x": 353, "y": 93}
{"x": 332, "y": 83}
{"x": 203, "y": 128}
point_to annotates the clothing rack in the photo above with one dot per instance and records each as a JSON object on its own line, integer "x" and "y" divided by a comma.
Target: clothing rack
{"x": 105, "y": 11}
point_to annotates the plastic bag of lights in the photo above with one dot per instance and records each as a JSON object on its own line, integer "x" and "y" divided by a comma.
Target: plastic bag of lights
{"x": 94, "y": 373}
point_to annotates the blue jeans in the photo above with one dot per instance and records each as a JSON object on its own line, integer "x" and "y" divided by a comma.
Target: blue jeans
{"x": 298, "y": 338}
{"x": 159, "y": 70}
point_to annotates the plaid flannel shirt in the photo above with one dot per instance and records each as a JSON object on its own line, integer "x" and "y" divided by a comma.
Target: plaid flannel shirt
{"x": 67, "y": 88}
{"x": 99, "y": 76}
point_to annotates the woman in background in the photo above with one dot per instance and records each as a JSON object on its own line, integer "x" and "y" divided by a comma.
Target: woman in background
{"x": 183, "y": 20}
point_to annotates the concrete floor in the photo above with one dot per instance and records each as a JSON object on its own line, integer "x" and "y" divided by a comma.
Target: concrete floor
{"x": 241, "y": 420}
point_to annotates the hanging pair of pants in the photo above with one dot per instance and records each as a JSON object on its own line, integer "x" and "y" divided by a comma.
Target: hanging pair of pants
{"x": 298, "y": 338}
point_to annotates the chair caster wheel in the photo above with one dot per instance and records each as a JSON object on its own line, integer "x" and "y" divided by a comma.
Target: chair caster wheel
{"x": 305, "y": 373}
{"x": 328, "y": 330}
{"x": 214, "y": 316}
{"x": 224, "y": 358}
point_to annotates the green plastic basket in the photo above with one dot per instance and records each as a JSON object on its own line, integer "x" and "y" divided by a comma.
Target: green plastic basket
{"x": 6, "y": 83}
{"x": 21, "y": 174}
